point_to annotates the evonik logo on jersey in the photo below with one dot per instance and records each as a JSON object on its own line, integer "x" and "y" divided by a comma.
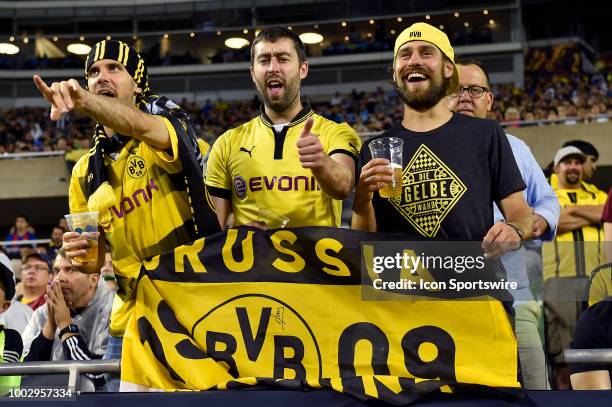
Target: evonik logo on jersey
{"x": 129, "y": 204}
{"x": 272, "y": 183}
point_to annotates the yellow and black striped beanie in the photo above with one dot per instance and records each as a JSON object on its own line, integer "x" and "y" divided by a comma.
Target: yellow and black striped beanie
{"x": 126, "y": 56}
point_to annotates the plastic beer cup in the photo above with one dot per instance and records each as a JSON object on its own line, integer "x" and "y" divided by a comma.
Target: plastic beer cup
{"x": 86, "y": 224}
{"x": 390, "y": 148}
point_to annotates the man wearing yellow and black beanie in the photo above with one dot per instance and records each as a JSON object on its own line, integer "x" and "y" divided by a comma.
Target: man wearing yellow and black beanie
{"x": 143, "y": 174}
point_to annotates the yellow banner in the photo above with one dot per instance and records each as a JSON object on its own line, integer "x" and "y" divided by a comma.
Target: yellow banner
{"x": 247, "y": 308}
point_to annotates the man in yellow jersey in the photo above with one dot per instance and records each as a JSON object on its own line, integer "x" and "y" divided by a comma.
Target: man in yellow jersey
{"x": 588, "y": 167}
{"x": 592, "y": 155}
{"x": 571, "y": 257}
{"x": 288, "y": 159}
{"x": 143, "y": 175}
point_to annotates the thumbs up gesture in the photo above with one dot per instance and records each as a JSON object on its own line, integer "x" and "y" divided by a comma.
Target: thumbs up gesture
{"x": 310, "y": 149}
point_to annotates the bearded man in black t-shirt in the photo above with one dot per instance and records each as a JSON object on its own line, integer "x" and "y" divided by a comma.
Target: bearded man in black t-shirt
{"x": 454, "y": 166}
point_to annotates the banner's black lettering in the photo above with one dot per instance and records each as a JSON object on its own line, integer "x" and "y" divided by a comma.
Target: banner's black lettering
{"x": 253, "y": 344}
{"x": 442, "y": 366}
{"x": 169, "y": 320}
{"x": 147, "y": 334}
{"x": 224, "y": 355}
{"x": 346, "y": 348}
{"x": 282, "y": 362}
{"x": 188, "y": 349}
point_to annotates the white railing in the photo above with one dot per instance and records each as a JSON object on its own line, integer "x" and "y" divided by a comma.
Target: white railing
{"x": 35, "y": 154}
{"x": 24, "y": 242}
{"x": 566, "y": 121}
{"x": 74, "y": 369}
{"x": 582, "y": 356}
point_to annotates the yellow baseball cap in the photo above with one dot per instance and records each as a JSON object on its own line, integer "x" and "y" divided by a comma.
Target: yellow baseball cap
{"x": 429, "y": 33}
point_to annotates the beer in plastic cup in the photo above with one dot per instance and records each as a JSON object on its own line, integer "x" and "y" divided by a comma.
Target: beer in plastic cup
{"x": 86, "y": 224}
{"x": 391, "y": 149}
{"x": 272, "y": 219}
{"x": 393, "y": 189}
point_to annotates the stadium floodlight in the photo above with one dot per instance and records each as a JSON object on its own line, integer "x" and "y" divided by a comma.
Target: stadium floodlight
{"x": 236, "y": 42}
{"x": 311, "y": 38}
{"x": 7, "y": 48}
{"x": 78, "y": 48}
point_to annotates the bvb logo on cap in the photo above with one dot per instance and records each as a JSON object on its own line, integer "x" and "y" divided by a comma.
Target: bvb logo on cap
{"x": 429, "y": 33}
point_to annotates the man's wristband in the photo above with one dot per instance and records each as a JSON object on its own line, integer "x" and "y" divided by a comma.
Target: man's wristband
{"x": 517, "y": 229}
{"x": 70, "y": 329}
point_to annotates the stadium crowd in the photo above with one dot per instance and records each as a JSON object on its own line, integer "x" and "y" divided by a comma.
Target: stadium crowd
{"x": 560, "y": 98}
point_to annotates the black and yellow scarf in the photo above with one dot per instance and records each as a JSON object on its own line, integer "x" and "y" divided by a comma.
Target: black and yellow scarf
{"x": 100, "y": 194}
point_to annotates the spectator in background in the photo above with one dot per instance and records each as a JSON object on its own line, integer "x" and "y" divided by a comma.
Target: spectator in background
{"x": 600, "y": 284}
{"x": 473, "y": 98}
{"x": 56, "y": 241}
{"x": 606, "y": 218}
{"x": 588, "y": 168}
{"x": 63, "y": 223}
{"x": 569, "y": 260}
{"x": 73, "y": 324}
{"x": 592, "y": 155}
{"x": 17, "y": 315}
{"x": 336, "y": 100}
{"x": 107, "y": 272}
{"x": 37, "y": 273}
{"x": 512, "y": 117}
{"x": 20, "y": 231}
{"x": 574, "y": 98}
{"x": 11, "y": 345}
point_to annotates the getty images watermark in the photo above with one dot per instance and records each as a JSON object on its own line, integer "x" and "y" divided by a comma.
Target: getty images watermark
{"x": 440, "y": 269}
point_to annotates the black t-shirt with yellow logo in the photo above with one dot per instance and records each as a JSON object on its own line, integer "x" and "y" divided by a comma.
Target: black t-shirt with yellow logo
{"x": 451, "y": 175}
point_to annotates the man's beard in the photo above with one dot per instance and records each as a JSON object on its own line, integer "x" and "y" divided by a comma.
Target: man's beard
{"x": 290, "y": 93}
{"x": 424, "y": 100}
{"x": 572, "y": 179}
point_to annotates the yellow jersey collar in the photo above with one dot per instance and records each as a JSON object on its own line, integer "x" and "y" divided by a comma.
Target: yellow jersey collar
{"x": 554, "y": 183}
{"x": 304, "y": 114}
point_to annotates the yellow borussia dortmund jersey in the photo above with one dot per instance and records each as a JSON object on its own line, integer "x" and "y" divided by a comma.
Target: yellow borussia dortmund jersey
{"x": 256, "y": 166}
{"x": 152, "y": 214}
{"x": 577, "y": 252}
{"x": 600, "y": 285}
{"x": 554, "y": 182}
